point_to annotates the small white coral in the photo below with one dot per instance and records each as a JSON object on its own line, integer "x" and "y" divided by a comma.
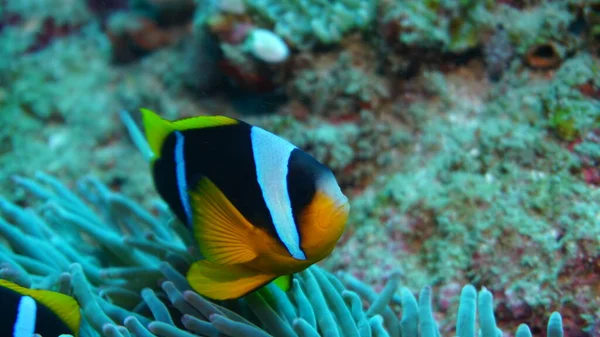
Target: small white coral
{"x": 267, "y": 46}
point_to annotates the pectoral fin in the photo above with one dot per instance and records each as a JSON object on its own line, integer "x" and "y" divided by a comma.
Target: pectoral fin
{"x": 224, "y": 236}
{"x": 222, "y": 282}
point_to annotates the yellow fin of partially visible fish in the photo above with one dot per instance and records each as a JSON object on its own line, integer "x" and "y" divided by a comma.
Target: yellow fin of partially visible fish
{"x": 283, "y": 282}
{"x": 224, "y": 236}
{"x": 62, "y": 305}
{"x": 157, "y": 128}
{"x": 222, "y": 282}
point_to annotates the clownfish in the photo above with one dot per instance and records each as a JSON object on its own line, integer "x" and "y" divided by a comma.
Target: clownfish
{"x": 32, "y": 311}
{"x": 260, "y": 209}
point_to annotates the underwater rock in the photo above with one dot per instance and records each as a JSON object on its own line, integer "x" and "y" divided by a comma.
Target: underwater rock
{"x": 245, "y": 72}
{"x": 339, "y": 84}
{"x": 306, "y": 24}
{"x": 49, "y": 32}
{"x": 589, "y": 90}
{"x": 145, "y": 26}
{"x": 232, "y": 6}
{"x": 230, "y": 29}
{"x": 167, "y": 13}
{"x": 63, "y": 13}
{"x": 591, "y": 12}
{"x": 45, "y": 22}
{"x": 251, "y": 58}
{"x": 430, "y": 25}
{"x": 498, "y": 52}
{"x": 542, "y": 35}
{"x": 591, "y": 16}
{"x": 133, "y": 36}
{"x": 200, "y": 63}
{"x": 103, "y": 7}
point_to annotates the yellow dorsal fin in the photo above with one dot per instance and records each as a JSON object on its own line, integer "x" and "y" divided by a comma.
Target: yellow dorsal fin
{"x": 224, "y": 236}
{"x": 65, "y": 307}
{"x": 223, "y": 282}
{"x": 157, "y": 128}
{"x": 200, "y": 122}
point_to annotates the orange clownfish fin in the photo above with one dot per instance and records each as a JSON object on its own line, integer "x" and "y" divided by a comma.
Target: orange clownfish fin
{"x": 223, "y": 282}
{"x": 223, "y": 235}
{"x": 284, "y": 282}
{"x": 157, "y": 128}
{"x": 65, "y": 307}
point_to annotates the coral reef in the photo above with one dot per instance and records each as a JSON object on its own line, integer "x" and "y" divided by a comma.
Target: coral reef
{"x": 477, "y": 199}
{"x": 70, "y": 12}
{"x": 466, "y": 133}
{"x": 305, "y": 23}
{"x": 447, "y": 26}
{"x": 498, "y": 52}
{"x": 41, "y": 119}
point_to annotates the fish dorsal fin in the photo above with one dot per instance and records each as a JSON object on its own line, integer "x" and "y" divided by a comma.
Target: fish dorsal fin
{"x": 224, "y": 236}
{"x": 220, "y": 282}
{"x": 201, "y": 122}
{"x": 65, "y": 307}
{"x": 284, "y": 282}
{"x": 157, "y": 128}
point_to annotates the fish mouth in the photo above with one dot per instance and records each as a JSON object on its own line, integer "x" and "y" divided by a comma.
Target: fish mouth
{"x": 345, "y": 207}
{"x": 341, "y": 211}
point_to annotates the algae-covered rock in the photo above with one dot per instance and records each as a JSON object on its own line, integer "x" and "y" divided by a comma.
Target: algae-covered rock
{"x": 305, "y": 23}
{"x": 447, "y": 26}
